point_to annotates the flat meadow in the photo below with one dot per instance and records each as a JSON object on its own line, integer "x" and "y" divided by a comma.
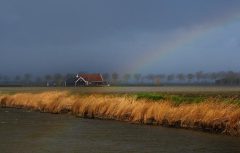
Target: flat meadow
{"x": 212, "y": 109}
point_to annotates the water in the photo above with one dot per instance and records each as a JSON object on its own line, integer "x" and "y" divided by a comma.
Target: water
{"x": 23, "y": 131}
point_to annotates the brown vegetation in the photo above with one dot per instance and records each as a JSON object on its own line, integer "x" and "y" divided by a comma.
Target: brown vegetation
{"x": 211, "y": 114}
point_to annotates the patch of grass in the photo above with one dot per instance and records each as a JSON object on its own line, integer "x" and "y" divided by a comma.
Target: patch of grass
{"x": 186, "y": 99}
{"x": 176, "y": 99}
{"x": 150, "y": 96}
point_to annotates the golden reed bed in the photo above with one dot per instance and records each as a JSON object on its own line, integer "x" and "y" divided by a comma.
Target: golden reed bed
{"x": 210, "y": 115}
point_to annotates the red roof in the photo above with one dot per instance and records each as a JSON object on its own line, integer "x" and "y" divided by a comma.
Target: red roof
{"x": 92, "y": 77}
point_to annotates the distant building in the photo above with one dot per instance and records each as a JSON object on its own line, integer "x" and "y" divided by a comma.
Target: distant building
{"x": 90, "y": 80}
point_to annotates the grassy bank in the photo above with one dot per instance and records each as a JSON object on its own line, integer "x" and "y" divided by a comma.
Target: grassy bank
{"x": 215, "y": 114}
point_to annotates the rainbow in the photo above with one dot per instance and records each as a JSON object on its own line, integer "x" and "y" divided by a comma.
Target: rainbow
{"x": 188, "y": 37}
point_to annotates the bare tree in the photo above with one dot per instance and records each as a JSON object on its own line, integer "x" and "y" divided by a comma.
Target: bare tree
{"x": 69, "y": 76}
{"x": 199, "y": 75}
{"x": 69, "y": 79}
{"x": 205, "y": 76}
{"x": 126, "y": 77}
{"x": 213, "y": 76}
{"x": 1, "y": 77}
{"x": 162, "y": 76}
{"x": 38, "y": 80}
{"x": 58, "y": 78}
{"x": 137, "y": 77}
{"x": 190, "y": 76}
{"x": 170, "y": 77}
{"x": 6, "y": 79}
{"x": 150, "y": 77}
{"x": 157, "y": 79}
{"x": 27, "y": 78}
{"x": 115, "y": 77}
{"x": 221, "y": 74}
{"x": 17, "y": 78}
{"x": 48, "y": 78}
{"x": 181, "y": 77}
{"x": 106, "y": 76}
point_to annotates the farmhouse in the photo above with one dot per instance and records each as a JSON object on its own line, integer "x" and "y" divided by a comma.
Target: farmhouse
{"x": 89, "y": 80}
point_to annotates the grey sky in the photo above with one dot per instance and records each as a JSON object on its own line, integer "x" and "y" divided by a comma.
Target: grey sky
{"x": 109, "y": 35}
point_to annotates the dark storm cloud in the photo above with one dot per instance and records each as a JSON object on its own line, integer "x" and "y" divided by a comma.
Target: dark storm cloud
{"x": 94, "y": 35}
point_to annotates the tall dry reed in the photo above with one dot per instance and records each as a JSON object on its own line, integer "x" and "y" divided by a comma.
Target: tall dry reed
{"x": 211, "y": 114}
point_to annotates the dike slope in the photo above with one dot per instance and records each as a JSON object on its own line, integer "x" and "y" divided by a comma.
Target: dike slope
{"x": 211, "y": 115}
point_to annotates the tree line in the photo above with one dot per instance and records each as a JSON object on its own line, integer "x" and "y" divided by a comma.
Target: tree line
{"x": 58, "y": 79}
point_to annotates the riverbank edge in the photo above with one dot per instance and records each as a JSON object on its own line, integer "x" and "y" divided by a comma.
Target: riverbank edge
{"x": 217, "y": 126}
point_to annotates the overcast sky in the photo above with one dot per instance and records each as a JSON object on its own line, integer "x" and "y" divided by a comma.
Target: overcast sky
{"x": 150, "y": 36}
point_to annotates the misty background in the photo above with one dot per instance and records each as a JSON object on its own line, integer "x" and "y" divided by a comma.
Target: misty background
{"x": 107, "y": 36}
